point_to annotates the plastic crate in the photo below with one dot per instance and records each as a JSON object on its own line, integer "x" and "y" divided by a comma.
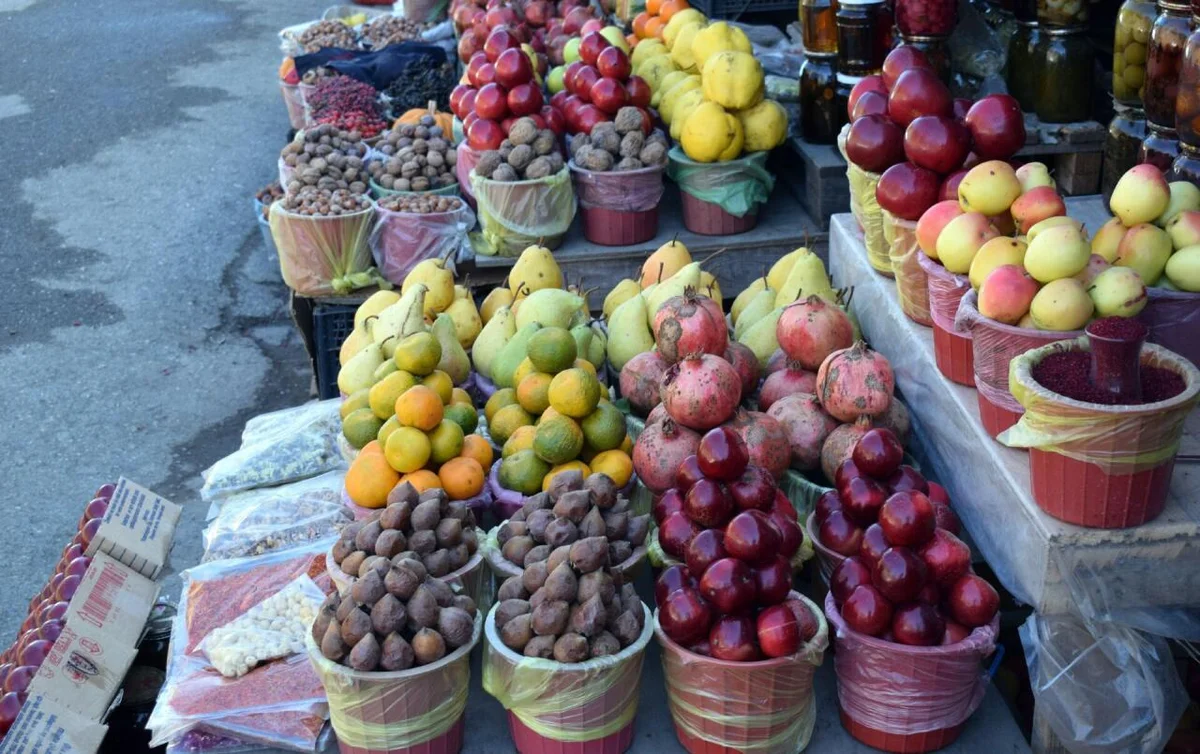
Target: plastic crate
{"x": 332, "y": 323}
{"x": 735, "y": 9}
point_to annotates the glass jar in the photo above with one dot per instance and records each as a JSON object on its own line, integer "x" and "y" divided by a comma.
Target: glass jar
{"x": 1160, "y": 147}
{"x": 1186, "y": 166}
{"x": 1062, "y": 13}
{"x": 1126, "y": 132}
{"x": 821, "y": 117}
{"x": 937, "y": 51}
{"x": 1164, "y": 58}
{"x": 926, "y": 18}
{"x": 1130, "y": 41}
{"x": 1187, "y": 101}
{"x": 864, "y": 34}
{"x": 1024, "y": 64}
{"x": 818, "y": 25}
{"x": 1064, "y": 83}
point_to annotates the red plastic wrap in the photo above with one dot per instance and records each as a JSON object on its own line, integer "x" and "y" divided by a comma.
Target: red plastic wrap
{"x": 400, "y": 240}
{"x": 294, "y": 102}
{"x": 623, "y": 191}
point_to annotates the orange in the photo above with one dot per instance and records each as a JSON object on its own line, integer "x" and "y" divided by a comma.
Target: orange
{"x": 422, "y": 480}
{"x": 615, "y": 465}
{"x": 462, "y": 478}
{"x": 632, "y": 40}
{"x": 654, "y": 27}
{"x": 639, "y": 24}
{"x": 653, "y": 7}
{"x": 420, "y": 407}
{"x": 670, "y": 8}
{"x": 370, "y": 478}
{"x": 474, "y": 446}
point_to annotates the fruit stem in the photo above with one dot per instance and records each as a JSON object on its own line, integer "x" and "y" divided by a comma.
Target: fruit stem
{"x": 714, "y": 255}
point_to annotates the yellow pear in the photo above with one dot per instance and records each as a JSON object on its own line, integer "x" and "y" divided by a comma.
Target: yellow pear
{"x": 467, "y": 322}
{"x": 710, "y": 286}
{"x": 359, "y": 372}
{"x": 400, "y": 320}
{"x": 495, "y": 335}
{"x": 432, "y": 273}
{"x": 375, "y": 303}
{"x": 453, "y": 361}
{"x": 733, "y": 79}
{"x": 550, "y": 307}
{"x": 806, "y": 277}
{"x": 353, "y": 343}
{"x": 755, "y": 309}
{"x": 778, "y": 273}
{"x": 498, "y": 297}
{"x": 646, "y": 49}
{"x": 656, "y": 67}
{"x": 688, "y": 277}
{"x": 666, "y": 105}
{"x": 760, "y": 337}
{"x": 621, "y": 292}
{"x": 534, "y": 270}
{"x": 743, "y": 298}
{"x": 668, "y": 81}
{"x": 461, "y": 291}
{"x": 628, "y": 332}
{"x": 681, "y": 52}
{"x": 684, "y": 107}
{"x": 666, "y": 260}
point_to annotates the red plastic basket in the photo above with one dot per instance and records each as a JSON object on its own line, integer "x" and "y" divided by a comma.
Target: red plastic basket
{"x": 1082, "y": 493}
{"x": 708, "y": 219}
{"x": 996, "y": 418}
{"x": 528, "y": 742}
{"x": 449, "y": 742}
{"x": 609, "y": 227}
{"x": 955, "y": 356}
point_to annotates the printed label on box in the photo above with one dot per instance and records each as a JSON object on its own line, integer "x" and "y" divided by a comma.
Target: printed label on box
{"x": 137, "y": 529}
{"x": 112, "y": 597}
{"x": 84, "y": 669}
{"x": 46, "y": 727}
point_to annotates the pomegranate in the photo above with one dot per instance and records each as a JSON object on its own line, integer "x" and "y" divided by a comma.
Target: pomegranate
{"x": 839, "y": 445}
{"x": 745, "y": 363}
{"x": 786, "y": 382}
{"x": 701, "y": 391}
{"x": 778, "y": 360}
{"x": 659, "y": 451}
{"x": 656, "y": 415}
{"x": 689, "y": 324}
{"x": 765, "y": 438}
{"x": 854, "y": 382}
{"x": 806, "y": 424}
{"x": 896, "y": 419}
{"x": 808, "y": 331}
{"x": 640, "y": 378}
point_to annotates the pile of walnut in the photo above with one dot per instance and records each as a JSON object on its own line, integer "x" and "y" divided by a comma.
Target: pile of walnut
{"x": 419, "y": 158}
{"x": 421, "y": 204}
{"x": 573, "y": 509}
{"x": 527, "y": 154}
{"x": 571, "y": 609}
{"x": 328, "y": 33}
{"x": 326, "y": 158}
{"x": 311, "y": 200}
{"x": 393, "y": 619}
{"x": 427, "y": 528}
{"x": 619, "y": 145}
{"x": 390, "y": 29}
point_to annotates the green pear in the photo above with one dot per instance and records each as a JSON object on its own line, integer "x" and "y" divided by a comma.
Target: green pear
{"x": 806, "y": 277}
{"x": 359, "y": 372}
{"x": 583, "y": 336}
{"x": 386, "y": 368}
{"x": 582, "y": 316}
{"x": 454, "y": 361}
{"x": 375, "y": 303}
{"x": 598, "y": 347}
{"x": 400, "y": 320}
{"x": 688, "y": 277}
{"x": 494, "y": 336}
{"x": 514, "y": 352}
{"x": 550, "y": 307}
{"x": 759, "y": 307}
{"x": 760, "y": 337}
{"x": 628, "y": 332}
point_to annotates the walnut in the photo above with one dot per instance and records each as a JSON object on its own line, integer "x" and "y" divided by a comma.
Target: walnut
{"x": 521, "y": 156}
{"x": 653, "y": 153}
{"x": 539, "y": 168}
{"x": 578, "y": 142}
{"x": 605, "y": 137}
{"x": 524, "y": 131}
{"x": 556, "y": 162}
{"x": 631, "y": 144}
{"x": 545, "y": 143}
{"x": 629, "y": 163}
{"x": 506, "y": 173}
{"x": 598, "y": 159}
{"x": 488, "y": 163}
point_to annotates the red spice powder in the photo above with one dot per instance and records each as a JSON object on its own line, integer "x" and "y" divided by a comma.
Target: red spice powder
{"x": 1068, "y": 375}
{"x": 1119, "y": 328}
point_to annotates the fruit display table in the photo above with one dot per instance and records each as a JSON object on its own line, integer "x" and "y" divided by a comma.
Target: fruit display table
{"x": 783, "y": 226}
{"x": 1135, "y": 575}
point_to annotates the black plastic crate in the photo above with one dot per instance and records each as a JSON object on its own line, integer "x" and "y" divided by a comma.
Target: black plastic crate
{"x": 332, "y": 323}
{"x": 736, "y": 9}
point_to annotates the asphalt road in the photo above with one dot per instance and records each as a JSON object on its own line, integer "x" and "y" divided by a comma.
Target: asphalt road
{"x": 141, "y": 322}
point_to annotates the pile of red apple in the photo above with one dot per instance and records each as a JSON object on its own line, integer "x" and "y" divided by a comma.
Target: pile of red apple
{"x": 534, "y": 22}
{"x": 47, "y": 612}
{"x": 736, "y": 532}
{"x": 905, "y": 124}
{"x": 598, "y": 85}
{"x": 501, "y": 89}
{"x": 906, "y": 578}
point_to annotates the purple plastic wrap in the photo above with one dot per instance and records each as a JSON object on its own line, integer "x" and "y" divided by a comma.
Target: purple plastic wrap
{"x": 624, "y": 191}
{"x": 909, "y": 690}
{"x": 1174, "y": 321}
{"x": 504, "y": 502}
{"x": 400, "y": 240}
{"x": 945, "y": 291}
{"x": 467, "y": 159}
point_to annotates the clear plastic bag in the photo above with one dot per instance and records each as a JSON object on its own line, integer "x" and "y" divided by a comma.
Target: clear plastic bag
{"x": 574, "y": 702}
{"x": 261, "y": 521}
{"x": 272, "y": 629}
{"x": 1110, "y": 690}
{"x": 866, "y": 209}
{"x": 515, "y": 215}
{"x": 400, "y": 240}
{"x": 945, "y": 292}
{"x": 912, "y": 285}
{"x": 738, "y": 186}
{"x": 906, "y": 690}
{"x": 277, "y": 448}
{"x": 324, "y": 256}
{"x": 623, "y": 191}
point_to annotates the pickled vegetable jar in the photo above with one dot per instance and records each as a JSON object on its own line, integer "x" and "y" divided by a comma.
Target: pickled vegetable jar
{"x": 864, "y": 35}
{"x": 1064, "y": 84}
{"x": 1063, "y": 13}
{"x": 821, "y": 117}
{"x": 818, "y": 25}
{"x": 1130, "y": 41}
{"x": 936, "y": 49}
{"x": 1187, "y": 101}
{"x": 1160, "y": 147}
{"x": 1125, "y": 134}
{"x": 1024, "y": 64}
{"x": 1186, "y": 166}
{"x": 1164, "y": 58}
{"x": 926, "y": 18}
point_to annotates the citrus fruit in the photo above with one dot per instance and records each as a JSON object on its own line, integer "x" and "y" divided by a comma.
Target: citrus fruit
{"x": 462, "y": 478}
{"x": 419, "y": 407}
{"x": 533, "y": 393}
{"x": 501, "y": 398}
{"x": 506, "y": 421}
{"x": 407, "y": 449}
{"x": 614, "y": 464}
{"x": 458, "y": 395}
{"x": 558, "y": 441}
{"x": 604, "y": 428}
{"x": 551, "y": 349}
{"x": 359, "y": 399}
{"x": 389, "y": 426}
{"x": 523, "y": 472}
{"x": 522, "y": 439}
{"x": 440, "y": 383}
{"x": 523, "y": 370}
{"x": 361, "y": 427}
{"x": 585, "y": 365}
{"x": 575, "y": 393}
{"x": 462, "y": 415}
{"x": 384, "y": 393}
{"x": 579, "y": 466}
{"x": 370, "y": 477}
{"x": 422, "y": 480}
{"x": 445, "y": 441}
{"x": 475, "y": 446}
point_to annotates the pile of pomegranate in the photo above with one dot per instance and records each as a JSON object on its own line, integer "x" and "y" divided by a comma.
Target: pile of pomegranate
{"x": 905, "y": 124}
{"x": 598, "y": 85}
{"x": 736, "y": 532}
{"x": 906, "y": 577}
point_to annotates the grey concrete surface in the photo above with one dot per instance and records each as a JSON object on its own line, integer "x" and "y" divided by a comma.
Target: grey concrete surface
{"x": 141, "y": 321}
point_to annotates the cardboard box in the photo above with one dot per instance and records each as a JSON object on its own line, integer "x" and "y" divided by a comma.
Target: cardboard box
{"x": 112, "y": 597}
{"x": 137, "y": 529}
{"x": 85, "y": 669}
{"x": 47, "y": 727}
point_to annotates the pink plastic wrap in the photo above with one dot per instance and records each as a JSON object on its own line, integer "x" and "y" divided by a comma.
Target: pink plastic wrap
{"x": 945, "y": 291}
{"x": 400, "y": 240}
{"x": 907, "y": 690}
{"x": 623, "y": 191}
{"x": 1174, "y": 321}
{"x": 467, "y": 160}
{"x": 294, "y": 102}
{"x": 324, "y": 256}
{"x": 912, "y": 285}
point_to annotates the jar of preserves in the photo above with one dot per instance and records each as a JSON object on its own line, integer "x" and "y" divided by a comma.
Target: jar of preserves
{"x": 1024, "y": 64}
{"x": 821, "y": 115}
{"x": 1130, "y": 41}
{"x": 1186, "y": 166}
{"x": 864, "y": 35}
{"x": 937, "y": 51}
{"x": 926, "y": 18}
{"x": 818, "y": 26}
{"x": 1064, "y": 84}
{"x": 1160, "y": 147}
{"x": 1126, "y": 132}
{"x": 1062, "y": 13}
{"x": 1164, "y": 58}
{"x": 1187, "y": 101}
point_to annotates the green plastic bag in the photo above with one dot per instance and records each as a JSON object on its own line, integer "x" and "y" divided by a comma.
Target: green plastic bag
{"x": 738, "y": 186}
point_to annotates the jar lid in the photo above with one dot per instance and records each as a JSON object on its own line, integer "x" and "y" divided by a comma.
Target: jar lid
{"x": 1065, "y": 31}
{"x": 848, "y": 78}
{"x": 1168, "y": 5}
{"x": 1027, "y": 24}
{"x": 844, "y": 3}
{"x": 823, "y": 57}
{"x": 927, "y": 39}
{"x": 1127, "y": 111}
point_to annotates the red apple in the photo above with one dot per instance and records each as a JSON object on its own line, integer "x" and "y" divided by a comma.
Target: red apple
{"x": 778, "y": 632}
{"x": 901, "y": 59}
{"x": 555, "y": 120}
{"x": 685, "y": 616}
{"x": 918, "y": 92}
{"x": 734, "y": 639}
{"x": 671, "y": 580}
{"x": 701, "y": 647}
{"x": 907, "y": 519}
{"x": 705, "y": 549}
{"x": 10, "y": 707}
{"x": 827, "y": 503}
{"x": 947, "y": 519}
{"x": 467, "y": 46}
{"x": 875, "y": 143}
{"x": 791, "y": 536}
{"x": 499, "y": 16}
{"x": 457, "y": 96}
{"x": 525, "y": 99}
{"x": 752, "y": 537}
{"x": 66, "y": 590}
{"x": 840, "y": 534}
{"x": 471, "y": 116}
{"x": 478, "y": 61}
{"x": 53, "y": 611}
{"x": 845, "y": 472}
{"x": 669, "y": 502}
{"x": 18, "y": 679}
{"x": 937, "y": 493}
{"x": 946, "y": 557}
{"x": 591, "y": 46}
{"x": 850, "y": 573}
{"x": 861, "y": 499}
{"x": 78, "y": 566}
{"x": 878, "y": 453}
{"x": 997, "y": 126}
{"x": 34, "y": 653}
{"x": 675, "y": 532}
{"x": 873, "y": 83}
{"x": 585, "y": 77}
{"x": 484, "y": 134}
{"x": 870, "y": 103}
{"x": 930, "y": 594}
{"x": 874, "y": 545}
{"x": 937, "y": 142}
{"x": 955, "y": 632}
{"x": 639, "y": 91}
{"x": 773, "y": 581}
{"x": 867, "y": 611}
{"x": 492, "y": 102}
{"x": 50, "y": 630}
{"x": 948, "y": 191}
{"x": 72, "y": 551}
{"x": 590, "y": 26}
{"x": 612, "y": 62}
{"x": 722, "y": 454}
{"x": 899, "y": 575}
{"x": 609, "y": 95}
{"x": 574, "y": 20}
{"x": 805, "y": 619}
{"x": 973, "y": 602}
{"x": 559, "y": 99}
{"x": 569, "y": 76}
{"x": 538, "y": 12}
{"x": 589, "y": 117}
{"x": 754, "y": 489}
{"x": 499, "y": 40}
{"x": 918, "y": 625}
{"x": 907, "y": 478}
{"x": 728, "y": 584}
{"x": 513, "y": 68}
{"x": 571, "y": 108}
{"x": 907, "y": 190}
{"x": 507, "y": 124}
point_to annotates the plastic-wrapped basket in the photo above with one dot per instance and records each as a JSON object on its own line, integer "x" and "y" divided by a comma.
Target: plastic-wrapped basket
{"x": 514, "y": 215}
{"x": 324, "y": 255}
{"x": 951, "y": 348}
{"x": 720, "y": 198}
{"x": 912, "y": 285}
{"x": 471, "y": 579}
{"x": 618, "y": 208}
{"x": 401, "y": 240}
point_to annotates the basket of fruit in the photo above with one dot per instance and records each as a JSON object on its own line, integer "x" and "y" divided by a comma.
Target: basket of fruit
{"x": 413, "y": 227}
{"x": 721, "y": 198}
{"x": 912, "y": 287}
{"x": 414, "y": 157}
